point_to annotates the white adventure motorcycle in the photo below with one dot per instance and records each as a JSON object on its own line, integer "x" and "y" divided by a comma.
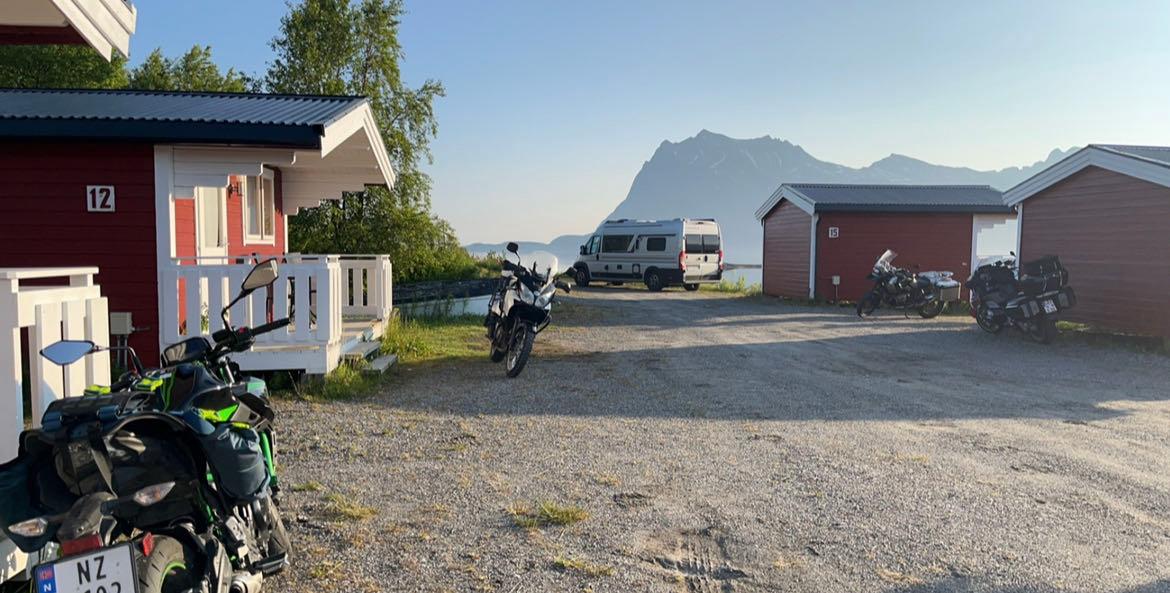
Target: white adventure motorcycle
{"x": 521, "y": 307}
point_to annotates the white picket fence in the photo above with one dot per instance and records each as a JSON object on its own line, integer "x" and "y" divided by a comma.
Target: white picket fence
{"x": 52, "y": 304}
{"x": 316, "y": 291}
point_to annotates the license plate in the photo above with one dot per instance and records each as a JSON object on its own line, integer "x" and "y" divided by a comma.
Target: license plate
{"x": 1049, "y": 306}
{"x": 110, "y": 570}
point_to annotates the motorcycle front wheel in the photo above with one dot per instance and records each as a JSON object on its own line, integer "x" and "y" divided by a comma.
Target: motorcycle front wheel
{"x": 1042, "y": 330}
{"x": 986, "y": 323}
{"x": 519, "y": 348}
{"x": 932, "y": 309}
{"x": 868, "y": 304}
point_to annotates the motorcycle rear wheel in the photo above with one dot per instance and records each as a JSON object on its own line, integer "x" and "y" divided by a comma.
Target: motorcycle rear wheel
{"x": 867, "y": 305}
{"x": 1042, "y": 330}
{"x": 170, "y": 568}
{"x": 932, "y": 309}
{"x": 519, "y": 348}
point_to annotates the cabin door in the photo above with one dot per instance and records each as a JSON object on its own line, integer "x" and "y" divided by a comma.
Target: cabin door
{"x": 211, "y": 236}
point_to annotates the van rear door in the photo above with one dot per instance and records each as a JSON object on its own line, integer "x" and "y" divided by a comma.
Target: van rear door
{"x": 703, "y": 246}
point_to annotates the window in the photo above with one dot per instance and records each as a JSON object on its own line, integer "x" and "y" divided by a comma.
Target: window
{"x": 694, "y": 244}
{"x": 259, "y": 209}
{"x": 616, "y": 243}
{"x": 711, "y": 244}
{"x": 656, "y": 244}
{"x": 594, "y": 245}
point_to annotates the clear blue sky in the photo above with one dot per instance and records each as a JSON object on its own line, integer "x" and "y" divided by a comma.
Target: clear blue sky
{"x": 553, "y": 106}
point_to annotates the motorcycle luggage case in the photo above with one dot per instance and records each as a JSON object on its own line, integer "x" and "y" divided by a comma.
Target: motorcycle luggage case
{"x": 948, "y": 289}
{"x": 1043, "y": 275}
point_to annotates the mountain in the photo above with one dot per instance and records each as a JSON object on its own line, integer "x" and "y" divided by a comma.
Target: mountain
{"x": 712, "y": 175}
{"x": 565, "y": 247}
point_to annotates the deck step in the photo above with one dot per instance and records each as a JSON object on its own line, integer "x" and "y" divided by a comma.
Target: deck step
{"x": 381, "y": 364}
{"x": 362, "y": 351}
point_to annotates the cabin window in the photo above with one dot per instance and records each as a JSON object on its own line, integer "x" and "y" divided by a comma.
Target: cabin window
{"x": 711, "y": 244}
{"x": 616, "y": 243}
{"x": 656, "y": 244}
{"x": 259, "y": 209}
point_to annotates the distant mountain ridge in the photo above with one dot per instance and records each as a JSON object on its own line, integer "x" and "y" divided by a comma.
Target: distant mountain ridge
{"x": 712, "y": 175}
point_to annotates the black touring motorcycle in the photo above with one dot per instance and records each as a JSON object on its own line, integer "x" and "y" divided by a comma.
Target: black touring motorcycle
{"x": 1030, "y": 300}
{"x": 164, "y": 482}
{"x": 898, "y": 288}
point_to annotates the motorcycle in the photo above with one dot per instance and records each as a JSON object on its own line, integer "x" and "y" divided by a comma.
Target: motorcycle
{"x": 1029, "y": 298}
{"x": 928, "y": 293}
{"x": 521, "y": 307}
{"x": 163, "y": 482}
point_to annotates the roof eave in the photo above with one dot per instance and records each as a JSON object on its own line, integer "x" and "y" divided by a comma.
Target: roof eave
{"x": 302, "y": 136}
{"x": 916, "y": 208}
{"x": 1089, "y": 156}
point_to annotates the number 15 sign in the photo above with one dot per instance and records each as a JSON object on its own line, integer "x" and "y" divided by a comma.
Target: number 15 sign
{"x": 99, "y": 198}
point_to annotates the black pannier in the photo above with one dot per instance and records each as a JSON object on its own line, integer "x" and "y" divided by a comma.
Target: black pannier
{"x": 1043, "y": 275}
{"x": 238, "y": 461}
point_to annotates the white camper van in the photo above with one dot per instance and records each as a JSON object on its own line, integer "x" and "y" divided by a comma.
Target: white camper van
{"x": 681, "y": 252}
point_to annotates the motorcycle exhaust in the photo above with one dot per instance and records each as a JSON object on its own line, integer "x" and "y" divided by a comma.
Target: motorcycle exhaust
{"x": 246, "y": 582}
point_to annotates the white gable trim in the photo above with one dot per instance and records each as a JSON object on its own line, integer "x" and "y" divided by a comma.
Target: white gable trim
{"x": 786, "y": 192}
{"x": 360, "y": 119}
{"x": 1089, "y": 156}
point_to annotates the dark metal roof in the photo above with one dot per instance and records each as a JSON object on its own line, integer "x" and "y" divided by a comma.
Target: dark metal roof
{"x": 236, "y": 118}
{"x": 1159, "y": 155}
{"x": 901, "y": 198}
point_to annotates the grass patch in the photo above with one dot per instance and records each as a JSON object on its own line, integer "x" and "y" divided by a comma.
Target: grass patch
{"x": 325, "y": 569}
{"x": 308, "y": 487}
{"x": 570, "y": 564}
{"x": 344, "y": 382}
{"x": 546, "y": 513}
{"x": 740, "y": 286}
{"x": 340, "y": 507}
{"x": 435, "y": 338}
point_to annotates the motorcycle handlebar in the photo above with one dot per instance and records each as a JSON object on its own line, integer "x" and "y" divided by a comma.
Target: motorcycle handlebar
{"x": 267, "y": 327}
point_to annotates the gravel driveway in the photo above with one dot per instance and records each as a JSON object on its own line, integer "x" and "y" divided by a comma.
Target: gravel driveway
{"x": 727, "y": 444}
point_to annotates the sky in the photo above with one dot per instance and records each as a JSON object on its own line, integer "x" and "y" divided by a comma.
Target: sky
{"x": 552, "y": 107}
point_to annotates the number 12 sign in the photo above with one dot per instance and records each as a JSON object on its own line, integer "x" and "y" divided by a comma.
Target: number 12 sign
{"x": 99, "y": 198}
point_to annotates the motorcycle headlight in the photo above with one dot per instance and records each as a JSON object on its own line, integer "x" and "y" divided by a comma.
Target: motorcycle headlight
{"x": 526, "y": 295}
{"x": 546, "y": 295}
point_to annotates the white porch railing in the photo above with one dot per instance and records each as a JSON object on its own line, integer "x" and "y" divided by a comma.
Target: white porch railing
{"x": 58, "y": 303}
{"x": 317, "y": 292}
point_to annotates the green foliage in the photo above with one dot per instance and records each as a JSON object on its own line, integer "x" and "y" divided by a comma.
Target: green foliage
{"x": 740, "y": 286}
{"x": 352, "y": 48}
{"x": 194, "y": 71}
{"x": 59, "y": 66}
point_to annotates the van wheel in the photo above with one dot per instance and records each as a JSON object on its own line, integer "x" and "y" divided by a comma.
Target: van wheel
{"x": 653, "y": 281}
{"x": 691, "y": 287}
{"x": 582, "y": 278}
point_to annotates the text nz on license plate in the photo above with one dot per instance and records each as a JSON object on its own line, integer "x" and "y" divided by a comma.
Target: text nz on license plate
{"x": 1049, "y": 306}
{"x": 106, "y": 571}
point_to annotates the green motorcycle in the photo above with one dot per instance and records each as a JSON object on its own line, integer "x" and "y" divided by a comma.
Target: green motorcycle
{"x": 163, "y": 482}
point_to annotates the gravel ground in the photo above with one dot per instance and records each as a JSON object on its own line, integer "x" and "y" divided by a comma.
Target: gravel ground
{"x": 740, "y": 444}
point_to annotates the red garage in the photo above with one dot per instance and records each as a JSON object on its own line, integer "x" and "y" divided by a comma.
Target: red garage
{"x": 1104, "y": 210}
{"x": 821, "y": 240}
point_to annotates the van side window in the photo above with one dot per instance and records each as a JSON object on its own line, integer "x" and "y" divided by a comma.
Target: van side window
{"x": 694, "y": 244}
{"x": 711, "y": 244}
{"x": 594, "y": 245}
{"x": 616, "y": 243}
{"x": 656, "y": 244}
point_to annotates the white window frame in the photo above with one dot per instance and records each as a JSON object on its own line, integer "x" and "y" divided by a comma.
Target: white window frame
{"x": 253, "y": 183}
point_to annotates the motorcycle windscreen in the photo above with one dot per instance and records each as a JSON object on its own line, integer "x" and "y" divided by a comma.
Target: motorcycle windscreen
{"x": 545, "y": 263}
{"x": 886, "y": 259}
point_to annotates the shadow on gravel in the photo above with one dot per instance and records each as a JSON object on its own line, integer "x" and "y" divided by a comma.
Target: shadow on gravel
{"x": 1159, "y": 586}
{"x": 908, "y": 375}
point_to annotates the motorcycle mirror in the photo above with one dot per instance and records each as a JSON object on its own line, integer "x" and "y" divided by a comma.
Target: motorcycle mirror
{"x": 66, "y": 352}
{"x": 1013, "y": 253}
{"x": 513, "y": 247}
{"x": 264, "y": 274}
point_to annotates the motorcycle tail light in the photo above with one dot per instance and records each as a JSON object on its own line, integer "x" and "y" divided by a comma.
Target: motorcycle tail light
{"x": 31, "y": 528}
{"x": 147, "y": 544}
{"x": 81, "y": 545}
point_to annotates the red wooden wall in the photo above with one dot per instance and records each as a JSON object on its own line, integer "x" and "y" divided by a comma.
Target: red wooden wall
{"x": 1110, "y": 231}
{"x": 787, "y": 240}
{"x": 932, "y": 241}
{"x": 44, "y": 222}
